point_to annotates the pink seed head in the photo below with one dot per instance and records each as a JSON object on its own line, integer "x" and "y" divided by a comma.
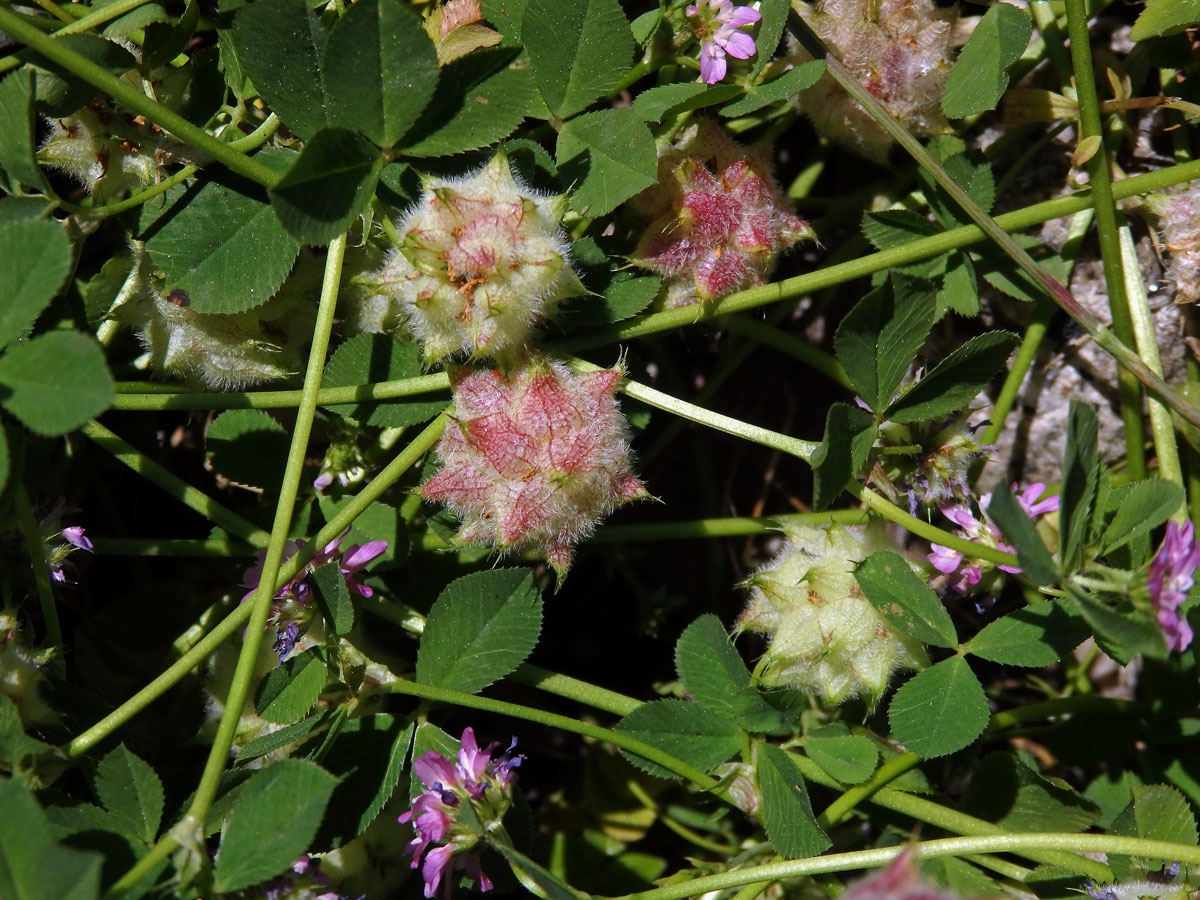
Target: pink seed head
{"x": 718, "y": 219}
{"x": 535, "y": 458}
{"x": 900, "y": 50}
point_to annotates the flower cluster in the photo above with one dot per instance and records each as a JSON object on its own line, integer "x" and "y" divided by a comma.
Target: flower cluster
{"x": 534, "y": 458}
{"x": 941, "y": 473}
{"x": 964, "y": 575}
{"x": 291, "y": 609}
{"x": 1172, "y": 576}
{"x": 825, "y": 636}
{"x": 899, "y": 49}
{"x": 481, "y": 260}
{"x": 715, "y": 24}
{"x": 718, "y": 220}
{"x": 463, "y": 801}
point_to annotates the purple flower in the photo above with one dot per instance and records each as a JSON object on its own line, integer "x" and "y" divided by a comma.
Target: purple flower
{"x": 1029, "y": 501}
{"x": 357, "y": 557}
{"x": 61, "y": 542}
{"x": 290, "y": 609}
{"x": 964, "y": 574}
{"x": 716, "y": 27}
{"x": 74, "y": 536}
{"x": 285, "y": 640}
{"x": 1172, "y": 576}
{"x": 475, "y": 778}
{"x": 304, "y": 879}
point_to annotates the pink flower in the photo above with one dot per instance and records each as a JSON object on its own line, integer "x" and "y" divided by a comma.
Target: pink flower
{"x": 477, "y": 778}
{"x": 290, "y": 608}
{"x": 355, "y": 558}
{"x": 964, "y": 574}
{"x": 716, "y": 28}
{"x": 1172, "y": 576}
{"x": 1029, "y": 501}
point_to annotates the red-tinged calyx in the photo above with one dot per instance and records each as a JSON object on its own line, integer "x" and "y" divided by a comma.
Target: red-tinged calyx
{"x": 535, "y": 458}
{"x": 718, "y": 219}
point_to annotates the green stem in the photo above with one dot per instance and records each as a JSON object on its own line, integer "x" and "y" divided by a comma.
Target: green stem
{"x": 1107, "y": 228}
{"x": 794, "y": 446}
{"x": 552, "y": 720}
{"x": 947, "y": 819}
{"x": 1052, "y": 40}
{"x": 957, "y": 846}
{"x": 35, "y": 549}
{"x": 175, "y": 398}
{"x": 1034, "y": 333}
{"x": 574, "y": 689}
{"x": 170, "y": 397}
{"x": 134, "y": 99}
{"x": 642, "y": 797}
{"x": 1062, "y": 706}
{"x": 732, "y": 526}
{"x": 259, "y": 603}
{"x": 885, "y": 774}
{"x": 196, "y": 499}
{"x": 342, "y": 520}
{"x": 1166, "y": 451}
{"x": 100, "y": 16}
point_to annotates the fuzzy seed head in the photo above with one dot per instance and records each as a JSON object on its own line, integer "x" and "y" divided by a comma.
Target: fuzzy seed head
{"x": 899, "y": 49}
{"x": 534, "y": 458}
{"x": 481, "y": 260}
{"x": 81, "y": 147}
{"x": 1180, "y": 222}
{"x": 825, "y": 637}
{"x": 224, "y": 352}
{"x": 718, "y": 219}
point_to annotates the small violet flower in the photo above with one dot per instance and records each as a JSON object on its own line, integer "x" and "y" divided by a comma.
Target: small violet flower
{"x": 290, "y": 608}
{"x": 462, "y": 800}
{"x": 302, "y": 882}
{"x": 966, "y": 575}
{"x": 61, "y": 542}
{"x": 716, "y": 27}
{"x": 1172, "y": 576}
